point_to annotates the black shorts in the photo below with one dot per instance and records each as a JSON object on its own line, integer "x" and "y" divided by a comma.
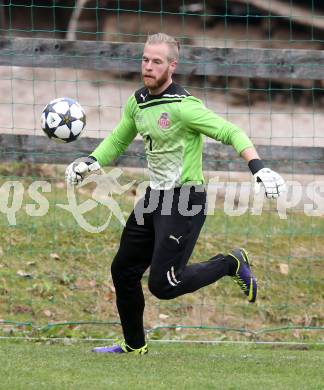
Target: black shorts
{"x": 161, "y": 233}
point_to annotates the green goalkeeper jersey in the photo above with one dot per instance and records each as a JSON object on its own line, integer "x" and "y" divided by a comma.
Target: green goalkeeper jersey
{"x": 172, "y": 126}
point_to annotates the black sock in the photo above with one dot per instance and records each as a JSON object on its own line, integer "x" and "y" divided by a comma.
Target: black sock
{"x": 232, "y": 265}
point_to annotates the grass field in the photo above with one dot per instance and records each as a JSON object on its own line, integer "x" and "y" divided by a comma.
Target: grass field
{"x": 53, "y": 271}
{"x": 35, "y": 366}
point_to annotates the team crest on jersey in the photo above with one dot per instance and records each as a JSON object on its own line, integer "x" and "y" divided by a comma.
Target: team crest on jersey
{"x": 164, "y": 121}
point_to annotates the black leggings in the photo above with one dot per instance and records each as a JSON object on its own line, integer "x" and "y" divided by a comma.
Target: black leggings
{"x": 162, "y": 239}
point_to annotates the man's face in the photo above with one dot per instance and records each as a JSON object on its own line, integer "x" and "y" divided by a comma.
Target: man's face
{"x": 156, "y": 69}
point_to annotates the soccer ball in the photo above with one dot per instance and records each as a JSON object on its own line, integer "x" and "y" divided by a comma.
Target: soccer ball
{"x": 63, "y": 120}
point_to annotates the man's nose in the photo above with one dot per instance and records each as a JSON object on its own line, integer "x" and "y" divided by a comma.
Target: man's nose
{"x": 148, "y": 65}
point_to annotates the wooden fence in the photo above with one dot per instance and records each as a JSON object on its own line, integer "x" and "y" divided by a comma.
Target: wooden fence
{"x": 216, "y": 157}
{"x": 126, "y": 57}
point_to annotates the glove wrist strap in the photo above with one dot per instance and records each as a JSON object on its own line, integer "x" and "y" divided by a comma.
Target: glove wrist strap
{"x": 92, "y": 158}
{"x": 255, "y": 165}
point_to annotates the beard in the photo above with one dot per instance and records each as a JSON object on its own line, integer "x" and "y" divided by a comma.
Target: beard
{"x": 154, "y": 83}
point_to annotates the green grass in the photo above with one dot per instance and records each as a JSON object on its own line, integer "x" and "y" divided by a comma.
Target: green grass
{"x": 51, "y": 270}
{"x": 29, "y": 365}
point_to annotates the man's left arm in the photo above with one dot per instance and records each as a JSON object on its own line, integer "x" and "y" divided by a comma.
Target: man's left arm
{"x": 273, "y": 183}
{"x": 198, "y": 118}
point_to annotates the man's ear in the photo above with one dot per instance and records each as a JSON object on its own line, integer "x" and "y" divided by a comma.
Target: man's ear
{"x": 173, "y": 65}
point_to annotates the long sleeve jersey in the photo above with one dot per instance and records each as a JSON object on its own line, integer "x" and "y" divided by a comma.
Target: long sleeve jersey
{"x": 172, "y": 125}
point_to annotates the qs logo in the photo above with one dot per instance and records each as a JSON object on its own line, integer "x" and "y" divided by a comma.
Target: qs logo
{"x": 106, "y": 186}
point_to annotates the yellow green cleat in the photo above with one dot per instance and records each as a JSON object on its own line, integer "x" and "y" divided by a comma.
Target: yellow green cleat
{"x": 243, "y": 275}
{"x": 121, "y": 348}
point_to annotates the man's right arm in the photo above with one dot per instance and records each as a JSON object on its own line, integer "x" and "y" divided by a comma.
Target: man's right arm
{"x": 108, "y": 150}
{"x": 117, "y": 142}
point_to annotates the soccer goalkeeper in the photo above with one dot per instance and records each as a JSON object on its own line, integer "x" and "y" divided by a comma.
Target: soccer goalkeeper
{"x": 172, "y": 124}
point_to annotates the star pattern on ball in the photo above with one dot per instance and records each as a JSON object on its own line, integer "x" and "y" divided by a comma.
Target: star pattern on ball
{"x": 63, "y": 120}
{"x": 67, "y": 119}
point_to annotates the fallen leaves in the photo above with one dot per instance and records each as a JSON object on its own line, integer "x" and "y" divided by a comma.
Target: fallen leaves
{"x": 284, "y": 268}
{"x": 22, "y": 309}
{"x": 24, "y": 274}
{"x": 163, "y": 316}
{"x": 82, "y": 284}
{"x": 47, "y": 313}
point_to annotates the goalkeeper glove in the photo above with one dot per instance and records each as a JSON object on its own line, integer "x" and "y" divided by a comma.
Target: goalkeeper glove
{"x": 274, "y": 185}
{"x": 76, "y": 171}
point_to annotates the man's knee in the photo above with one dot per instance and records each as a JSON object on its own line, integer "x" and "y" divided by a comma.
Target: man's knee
{"x": 117, "y": 270}
{"x": 161, "y": 289}
{"x": 125, "y": 274}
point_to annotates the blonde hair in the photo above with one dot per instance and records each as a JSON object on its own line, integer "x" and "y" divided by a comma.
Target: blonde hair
{"x": 173, "y": 44}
